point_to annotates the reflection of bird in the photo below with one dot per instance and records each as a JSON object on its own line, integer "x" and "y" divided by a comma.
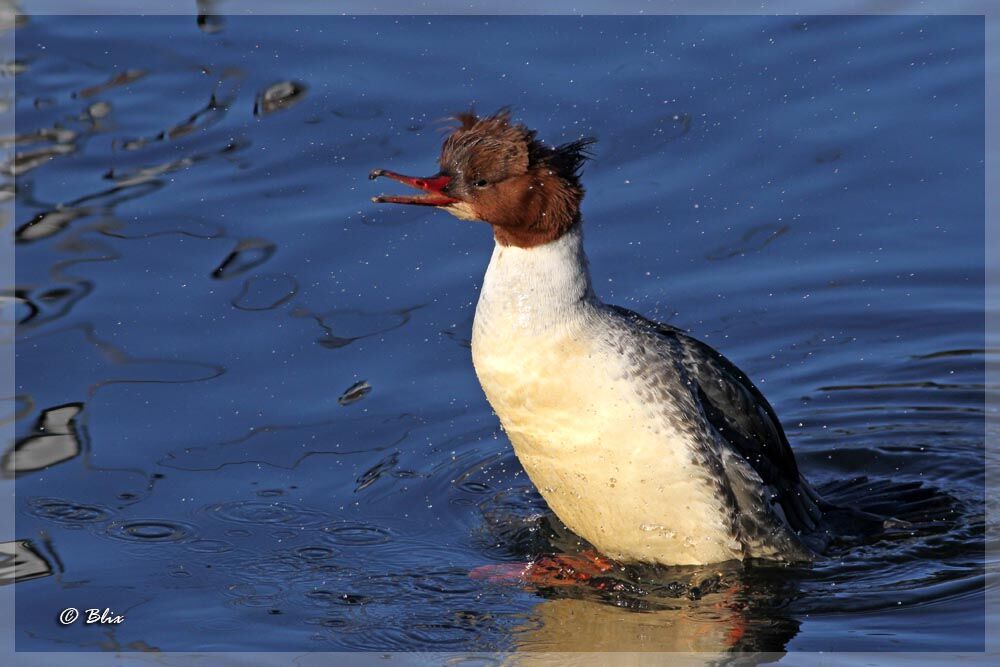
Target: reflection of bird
{"x": 588, "y": 626}
{"x": 646, "y": 442}
{"x": 591, "y": 605}
{"x": 717, "y": 625}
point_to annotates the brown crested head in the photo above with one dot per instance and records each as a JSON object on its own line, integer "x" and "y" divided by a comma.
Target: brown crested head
{"x": 494, "y": 170}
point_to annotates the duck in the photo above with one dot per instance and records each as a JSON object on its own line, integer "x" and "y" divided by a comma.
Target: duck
{"x": 643, "y": 440}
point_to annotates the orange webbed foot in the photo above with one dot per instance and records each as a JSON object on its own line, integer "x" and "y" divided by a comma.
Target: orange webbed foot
{"x": 549, "y": 570}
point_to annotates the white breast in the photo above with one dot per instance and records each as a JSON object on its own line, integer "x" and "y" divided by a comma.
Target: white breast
{"x": 612, "y": 465}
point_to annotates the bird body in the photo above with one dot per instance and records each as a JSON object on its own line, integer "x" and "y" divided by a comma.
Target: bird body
{"x": 603, "y": 417}
{"x": 644, "y": 441}
{"x": 612, "y": 465}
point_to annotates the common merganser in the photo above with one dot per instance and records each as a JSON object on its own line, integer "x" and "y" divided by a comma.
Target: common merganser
{"x": 643, "y": 440}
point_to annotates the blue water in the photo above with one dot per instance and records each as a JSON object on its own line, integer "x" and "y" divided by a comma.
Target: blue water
{"x": 201, "y": 277}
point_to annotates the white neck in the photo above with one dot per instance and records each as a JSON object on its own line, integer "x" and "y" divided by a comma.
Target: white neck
{"x": 534, "y": 289}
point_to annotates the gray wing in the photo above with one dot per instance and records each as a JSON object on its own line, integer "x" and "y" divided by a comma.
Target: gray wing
{"x": 738, "y": 411}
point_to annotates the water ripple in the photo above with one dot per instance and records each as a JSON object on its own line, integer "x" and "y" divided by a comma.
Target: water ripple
{"x": 147, "y": 531}
{"x": 68, "y": 512}
{"x": 356, "y": 534}
{"x": 265, "y": 513}
{"x": 266, "y": 292}
{"x": 246, "y": 256}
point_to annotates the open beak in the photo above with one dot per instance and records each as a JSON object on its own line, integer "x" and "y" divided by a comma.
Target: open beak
{"x": 433, "y": 186}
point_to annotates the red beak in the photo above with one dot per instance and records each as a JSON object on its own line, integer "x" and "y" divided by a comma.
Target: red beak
{"x": 433, "y": 186}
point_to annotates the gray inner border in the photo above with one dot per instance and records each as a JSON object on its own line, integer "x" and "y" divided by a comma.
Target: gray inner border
{"x": 989, "y": 9}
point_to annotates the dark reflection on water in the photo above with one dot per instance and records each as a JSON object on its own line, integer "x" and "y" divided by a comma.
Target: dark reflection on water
{"x": 266, "y": 292}
{"x": 21, "y": 561}
{"x": 246, "y": 256}
{"x": 244, "y": 395}
{"x": 279, "y": 96}
{"x": 209, "y": 21}
{"x": 54, "y": 440}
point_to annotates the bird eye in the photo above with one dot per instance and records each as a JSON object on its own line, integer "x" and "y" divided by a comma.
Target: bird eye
{"x": 481, "y": 183}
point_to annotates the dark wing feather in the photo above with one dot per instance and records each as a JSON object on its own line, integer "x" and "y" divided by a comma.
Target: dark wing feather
{"x": 744, "y": 418}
